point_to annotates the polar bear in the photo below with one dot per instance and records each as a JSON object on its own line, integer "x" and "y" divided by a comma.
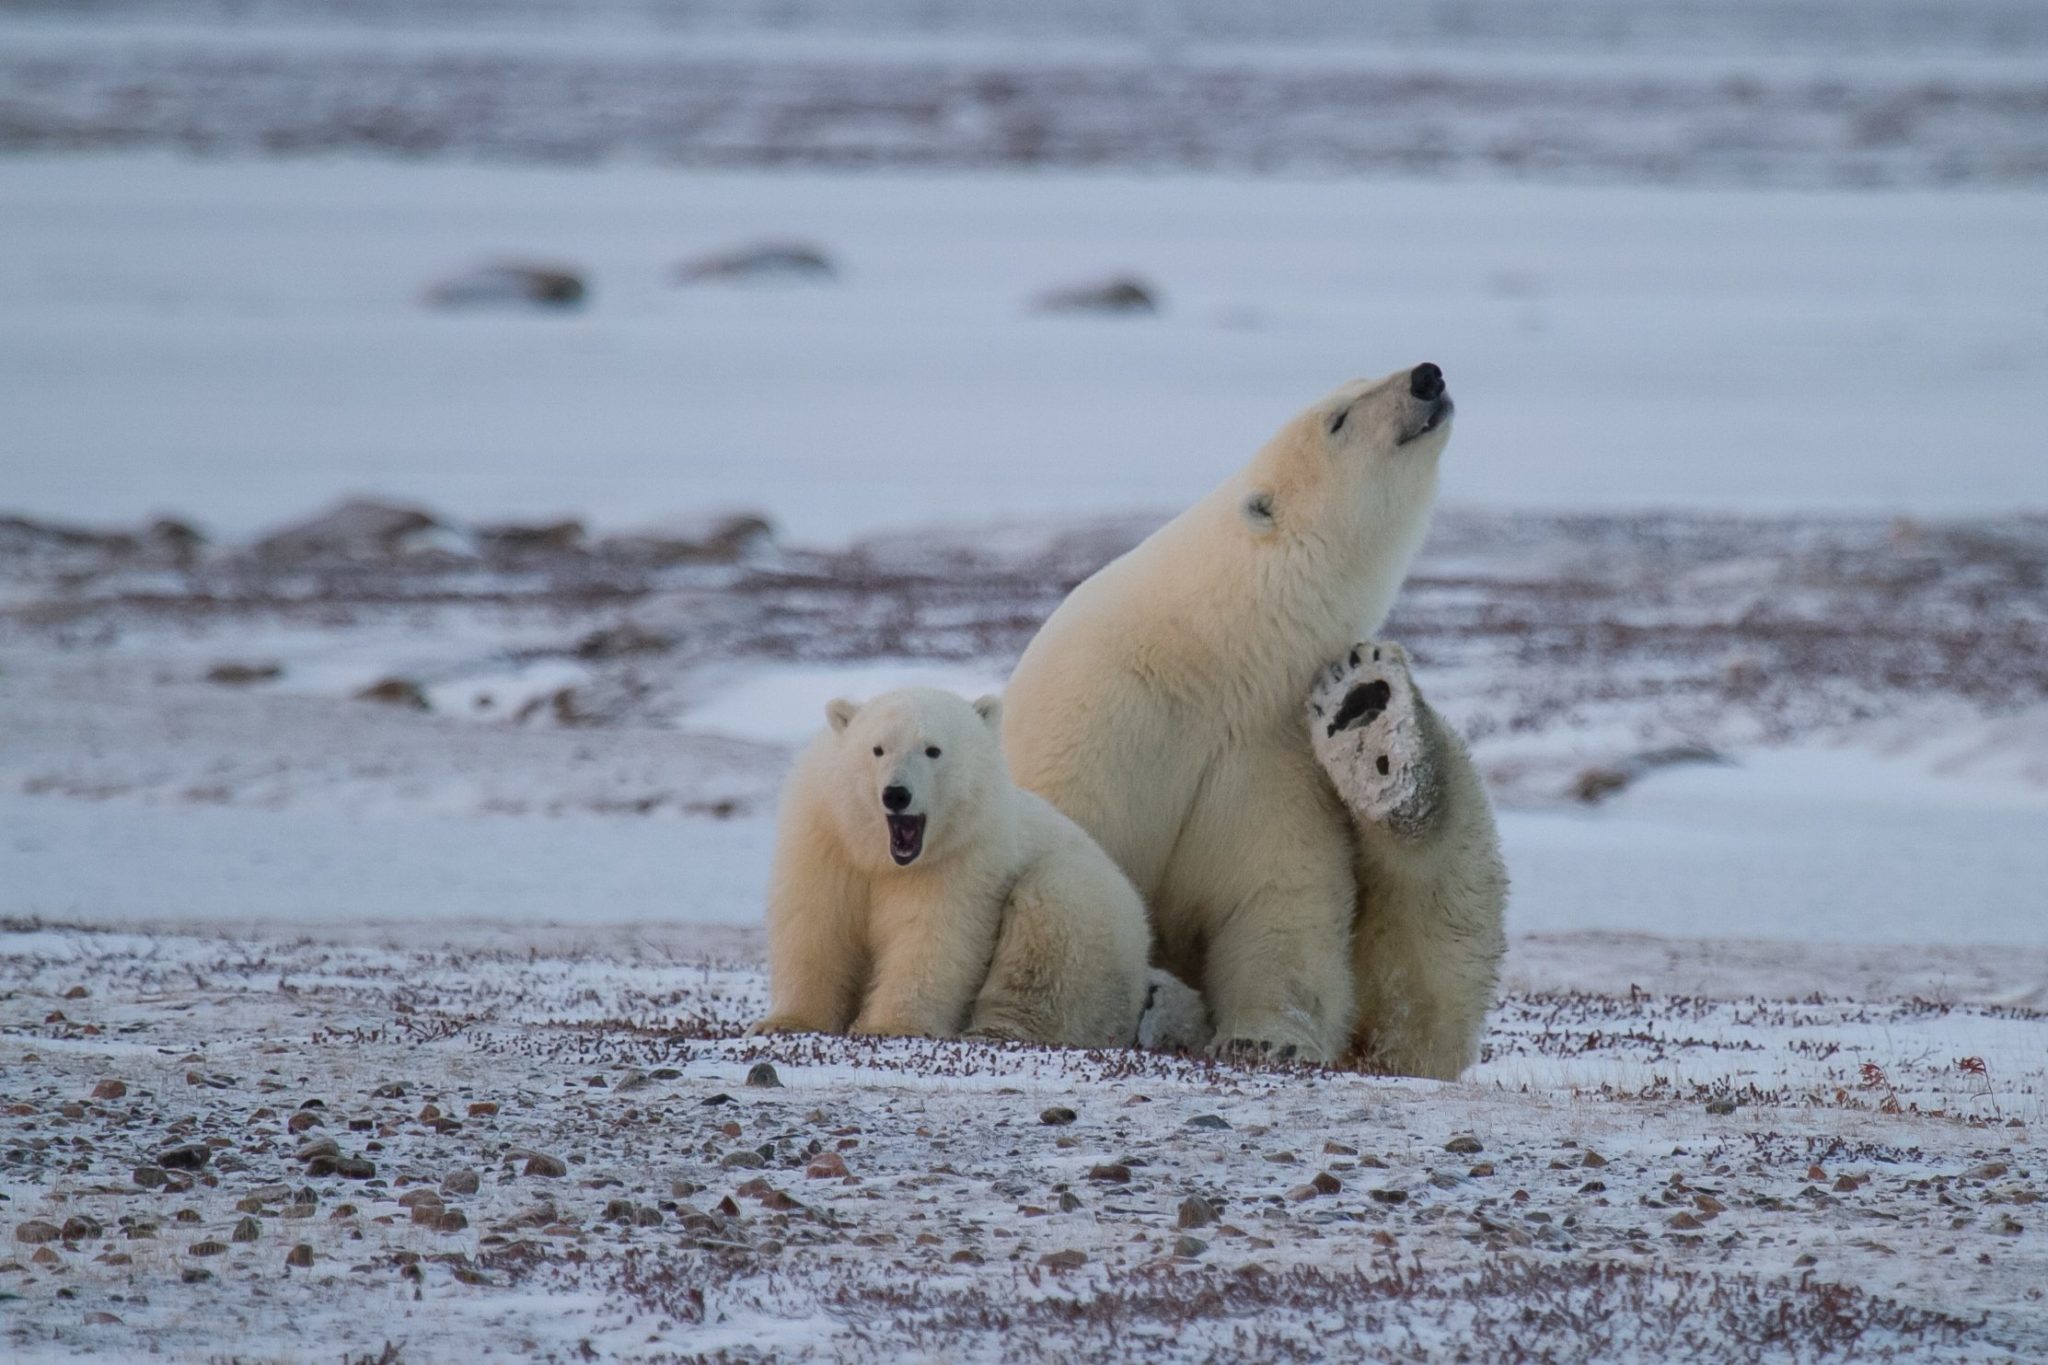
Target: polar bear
{"x": 917, "y": 890}
{"x": 1164, "y": 706}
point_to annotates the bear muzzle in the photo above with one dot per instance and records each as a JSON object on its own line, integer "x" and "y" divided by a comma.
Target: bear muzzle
{"x": 906, "y": 838}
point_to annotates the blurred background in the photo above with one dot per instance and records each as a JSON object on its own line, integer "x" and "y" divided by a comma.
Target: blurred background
{"x": 685, "y": 364}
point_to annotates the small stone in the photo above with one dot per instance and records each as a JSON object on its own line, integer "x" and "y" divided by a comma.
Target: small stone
{"x": 1684, "y": 1222}
{"x": 77, "y": 993}
{"x": 80, "y": 1227}
{"x": 761, "y": 1075}
{"x": 1114, "y": 1173}
{"x": 1300, "y": 1193}
{"x": 1072, "y": 1259}
{"x": 110, "y": 1090}
{"x": 248, "y": 1230}
{"x": 36, "y": 1231}
{"x": 149, "y": 1177}
{"x": 1339, "y": 1149}
{"x": 483, "y": 1109}
{"x": 1207, "y": 1121}
{"x": 355, "y": 1168}
{"x": 300, "y": 1256}
{"x": 318, "y": 1147}
{"x": 1196, "y": 1212}
{"x": 1057, "y": 1116}
{"x": 301, "y": 1121}
{"x": 208, "y": 1248}
{"x": 451, "y": 1220}
{"x": 826, "y": 1166}
{"x": 1187, "y": 1248}
{"x": 1720, "y": 1104}
{"x": 198, "y": 1274}
{"x": 743, "y": 1160}
{"x": 464, "y": 1181}
{"x": 549, "y": 1166}
{"x": 47, "y": 1256}
{"x": 720, "y": 1098}
{"x": 1069, "y": 1201}
{"x": 1464, "y": 1145}
{"x": 186, "y": 1156}
{"x": 1592, "y": 1158}
{"x": 1481, "y": 1170}
{"x": 1325, "y": 1183}
{"x": 1389, "y": 1196}
{"x": 1990, "y": 1170}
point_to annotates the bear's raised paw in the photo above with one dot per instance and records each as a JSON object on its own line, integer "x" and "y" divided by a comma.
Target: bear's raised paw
{"x": 1366, "y": 725}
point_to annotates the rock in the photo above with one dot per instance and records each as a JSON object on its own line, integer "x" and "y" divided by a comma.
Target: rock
{"x": 621, "y": 641}
{"x": 1056, "y": 1116}
{"x": 1596, "y": 784}
{"x": 207, "y": 1248}
{"x": 299, "y": 1256}
{"x": 1118, "y": 294}
{"x": 1721, "y": 1104}
{"x": 514, "y": 539}
{"x": 1464, "y": 1145}
{"x": 464, "y": 1181}
{"x": 110, "y": 1090}
{"x": 355, "y": 1168}
{"x": 720, "y": 538}
{"x": 514, "y": 284}
{"x": 827, "y": 1166}
{"x": 757, "y": 262}
{"x": 247, "y": 1230}
{"x": 1069, "y": 1201}
{"x": 186, "y": 1156}
{"x": 1072, "y": 1259}
{"x": 317, "y": 1147}
{"x": 1196, "y": 1212}
{"x": 1990, "y": 1170}
{"x": 1207, "y": 1121}
{"x": 1325, "y": 1183}
{"x": 1592, "y": 1158}
{"x": 1683, "y": 1222}
{"x": 354, "y": 531}
{"x": 81, "y": 1226}
{"x": 1390, "y": 1196}
{"x": 761, "y": 1075}
{"x": 36, "y": 1231}
{"x": 46, "y": 1256}
{"x": 483, "y": 1109}
{"x": 743, "y": 1160}
{"x": 539, "y": 1163}
{"x": 149, "y": 1177}
{"x": 451, "y": 1220}
{"x": 396, "y": 691}
{"x": 1334, "y": 1148}
{"x": 1113, "y": 1173}
{"x": 1188, "y": 1248}
{"x": 235, "y": 674}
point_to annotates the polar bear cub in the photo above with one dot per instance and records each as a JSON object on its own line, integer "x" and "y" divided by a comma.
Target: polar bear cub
{"x": 918, "y": 890}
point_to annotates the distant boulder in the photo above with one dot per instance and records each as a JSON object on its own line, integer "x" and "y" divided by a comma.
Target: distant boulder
{"x": 165, "y": 541}
{"x": 1119, "y": 294}
{"x": 530, "y": 538}
{"x": 760, "y": 261}
{"x": 717, "y": 539}
{"x": 360, "y": 529}
{"x": 510, "y": 284}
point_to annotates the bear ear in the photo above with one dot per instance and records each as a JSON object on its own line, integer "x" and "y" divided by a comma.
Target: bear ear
{"x": 990, "y": 709}
{"x": 838, "y": 712}
{"x": 1257, "y": 510}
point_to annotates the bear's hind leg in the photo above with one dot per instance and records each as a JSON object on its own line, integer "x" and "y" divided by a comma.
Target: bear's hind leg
{"x": 1432, "y": 889}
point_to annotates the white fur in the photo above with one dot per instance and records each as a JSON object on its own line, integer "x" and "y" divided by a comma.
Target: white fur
{"x": 1161, "y": 707}
{"x": 1010, "y": 923}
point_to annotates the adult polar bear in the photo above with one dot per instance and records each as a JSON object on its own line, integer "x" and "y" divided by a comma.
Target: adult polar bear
{"x": 1165, "y": 708}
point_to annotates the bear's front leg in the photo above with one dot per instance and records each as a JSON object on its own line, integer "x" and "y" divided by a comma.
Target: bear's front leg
{"x": 1432, "y": 888}
{"x": 815, "y": 960}
{"x": 930, "y": 956}
{"x": 1267, "y": 862}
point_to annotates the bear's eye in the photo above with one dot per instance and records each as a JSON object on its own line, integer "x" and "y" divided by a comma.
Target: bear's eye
{"x": 878, "y": 751}
{"x": 932, "y": 752}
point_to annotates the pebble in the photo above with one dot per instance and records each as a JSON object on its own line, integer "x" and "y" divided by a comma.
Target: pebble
{"x": 80, "y": 1226}
{"x": 1464, "y": 1145}
{"x": 208, "y": 1248}
{"x": 1057, "y": 1116}
{"x": 1196, "y": 1212}
{"x": 761, "y": 1075}
{"x": 1115, "y": 1173}
{"x": 539, "y": 1163}
{"x": 247, "y": 1230}
{"x": 149, "y": 1177}
{"x": 35, "y": 1231}
{"x": 827, "y": 1166}
{"x": 1071, "y": 1259}
{"x": 110, "y": 1090}
{"x": 1390, "y": 1196}
{"x": 1187, "y": 1248}
{"x": 1721, "y": 1105}
{"x": 300, "y": 1255}
{"x": 318, "y": 1147}
{"x": 1207, "y": 1121}
{"x": 186, "y": 1156}
{"x": 464, "y": 1181}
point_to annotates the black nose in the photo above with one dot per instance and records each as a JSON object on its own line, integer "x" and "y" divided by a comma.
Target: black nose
{"x": 895, "y": 798}
{"x": 1426, "y": 382}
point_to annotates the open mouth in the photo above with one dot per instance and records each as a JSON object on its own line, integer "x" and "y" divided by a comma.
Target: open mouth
{"x": 906, "y": 838}
{"x": 1439, "y": 414}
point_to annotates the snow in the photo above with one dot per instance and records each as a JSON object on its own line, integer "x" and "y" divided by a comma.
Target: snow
{"x": 261, "y": 321}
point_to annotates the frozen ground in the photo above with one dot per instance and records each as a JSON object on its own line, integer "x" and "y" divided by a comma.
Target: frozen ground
{"x": 240, "y": 341}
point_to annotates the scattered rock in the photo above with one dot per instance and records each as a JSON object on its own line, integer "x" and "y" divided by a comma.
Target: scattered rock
{"x": 501, "y": 284}
{"x": 826, "y": 1165}
{"x": 721, "y": 538}
{"x": 1116, "y": 295}
{"x": 1596, "y": 784}
{"x": 1188, "y": 1248}
{"x": 242, "y": 674}
{"x": 1072, "y": 1259}
{"x": 317, "y": 1147}
{"x": 1389, "y": 1196}
{"x": 1464, "y": 1145}
{"x": 1112, "y": 1173}
{"x": 762, "y": 1075}
{"x": 1207, "y": 1121}
{"x": 744, "y": 1159}
{"x": 1325, "y": 1183}
{"x": 110, "y": 1090}
{"x": 1720, "y": 1104}
{"x": 1684, "y": 1222}
{"x": 186, "y": 1156}
{"x": 396, "y": 691}
{"x": 299, "y": 1256}
{"x": 1196, "y": 1212}
{"x": 149, "y": 1177}
{"x": 35, "y": 1232}
{"x": 1057, "y": 1116}
{"x": 247, "y": 1230}
{"x": 357, "y": 530}
{"x": 81, "y": 1227}
{"x": 619, "y": 641}
{"x": 513, "y": 538}
{"x": 355, "y": 1168}
{"x": 539, "y": 1163}
{"x": 759, "y": 262}
{"x": 199, "y": 1274}
{"x": 208, "y": 1248}
{"x": 1990, "y": 1170}
{"x": 464, "y": 1181}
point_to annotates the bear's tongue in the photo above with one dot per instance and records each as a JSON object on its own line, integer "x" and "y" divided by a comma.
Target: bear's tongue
{"x": 906, "y": 838}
